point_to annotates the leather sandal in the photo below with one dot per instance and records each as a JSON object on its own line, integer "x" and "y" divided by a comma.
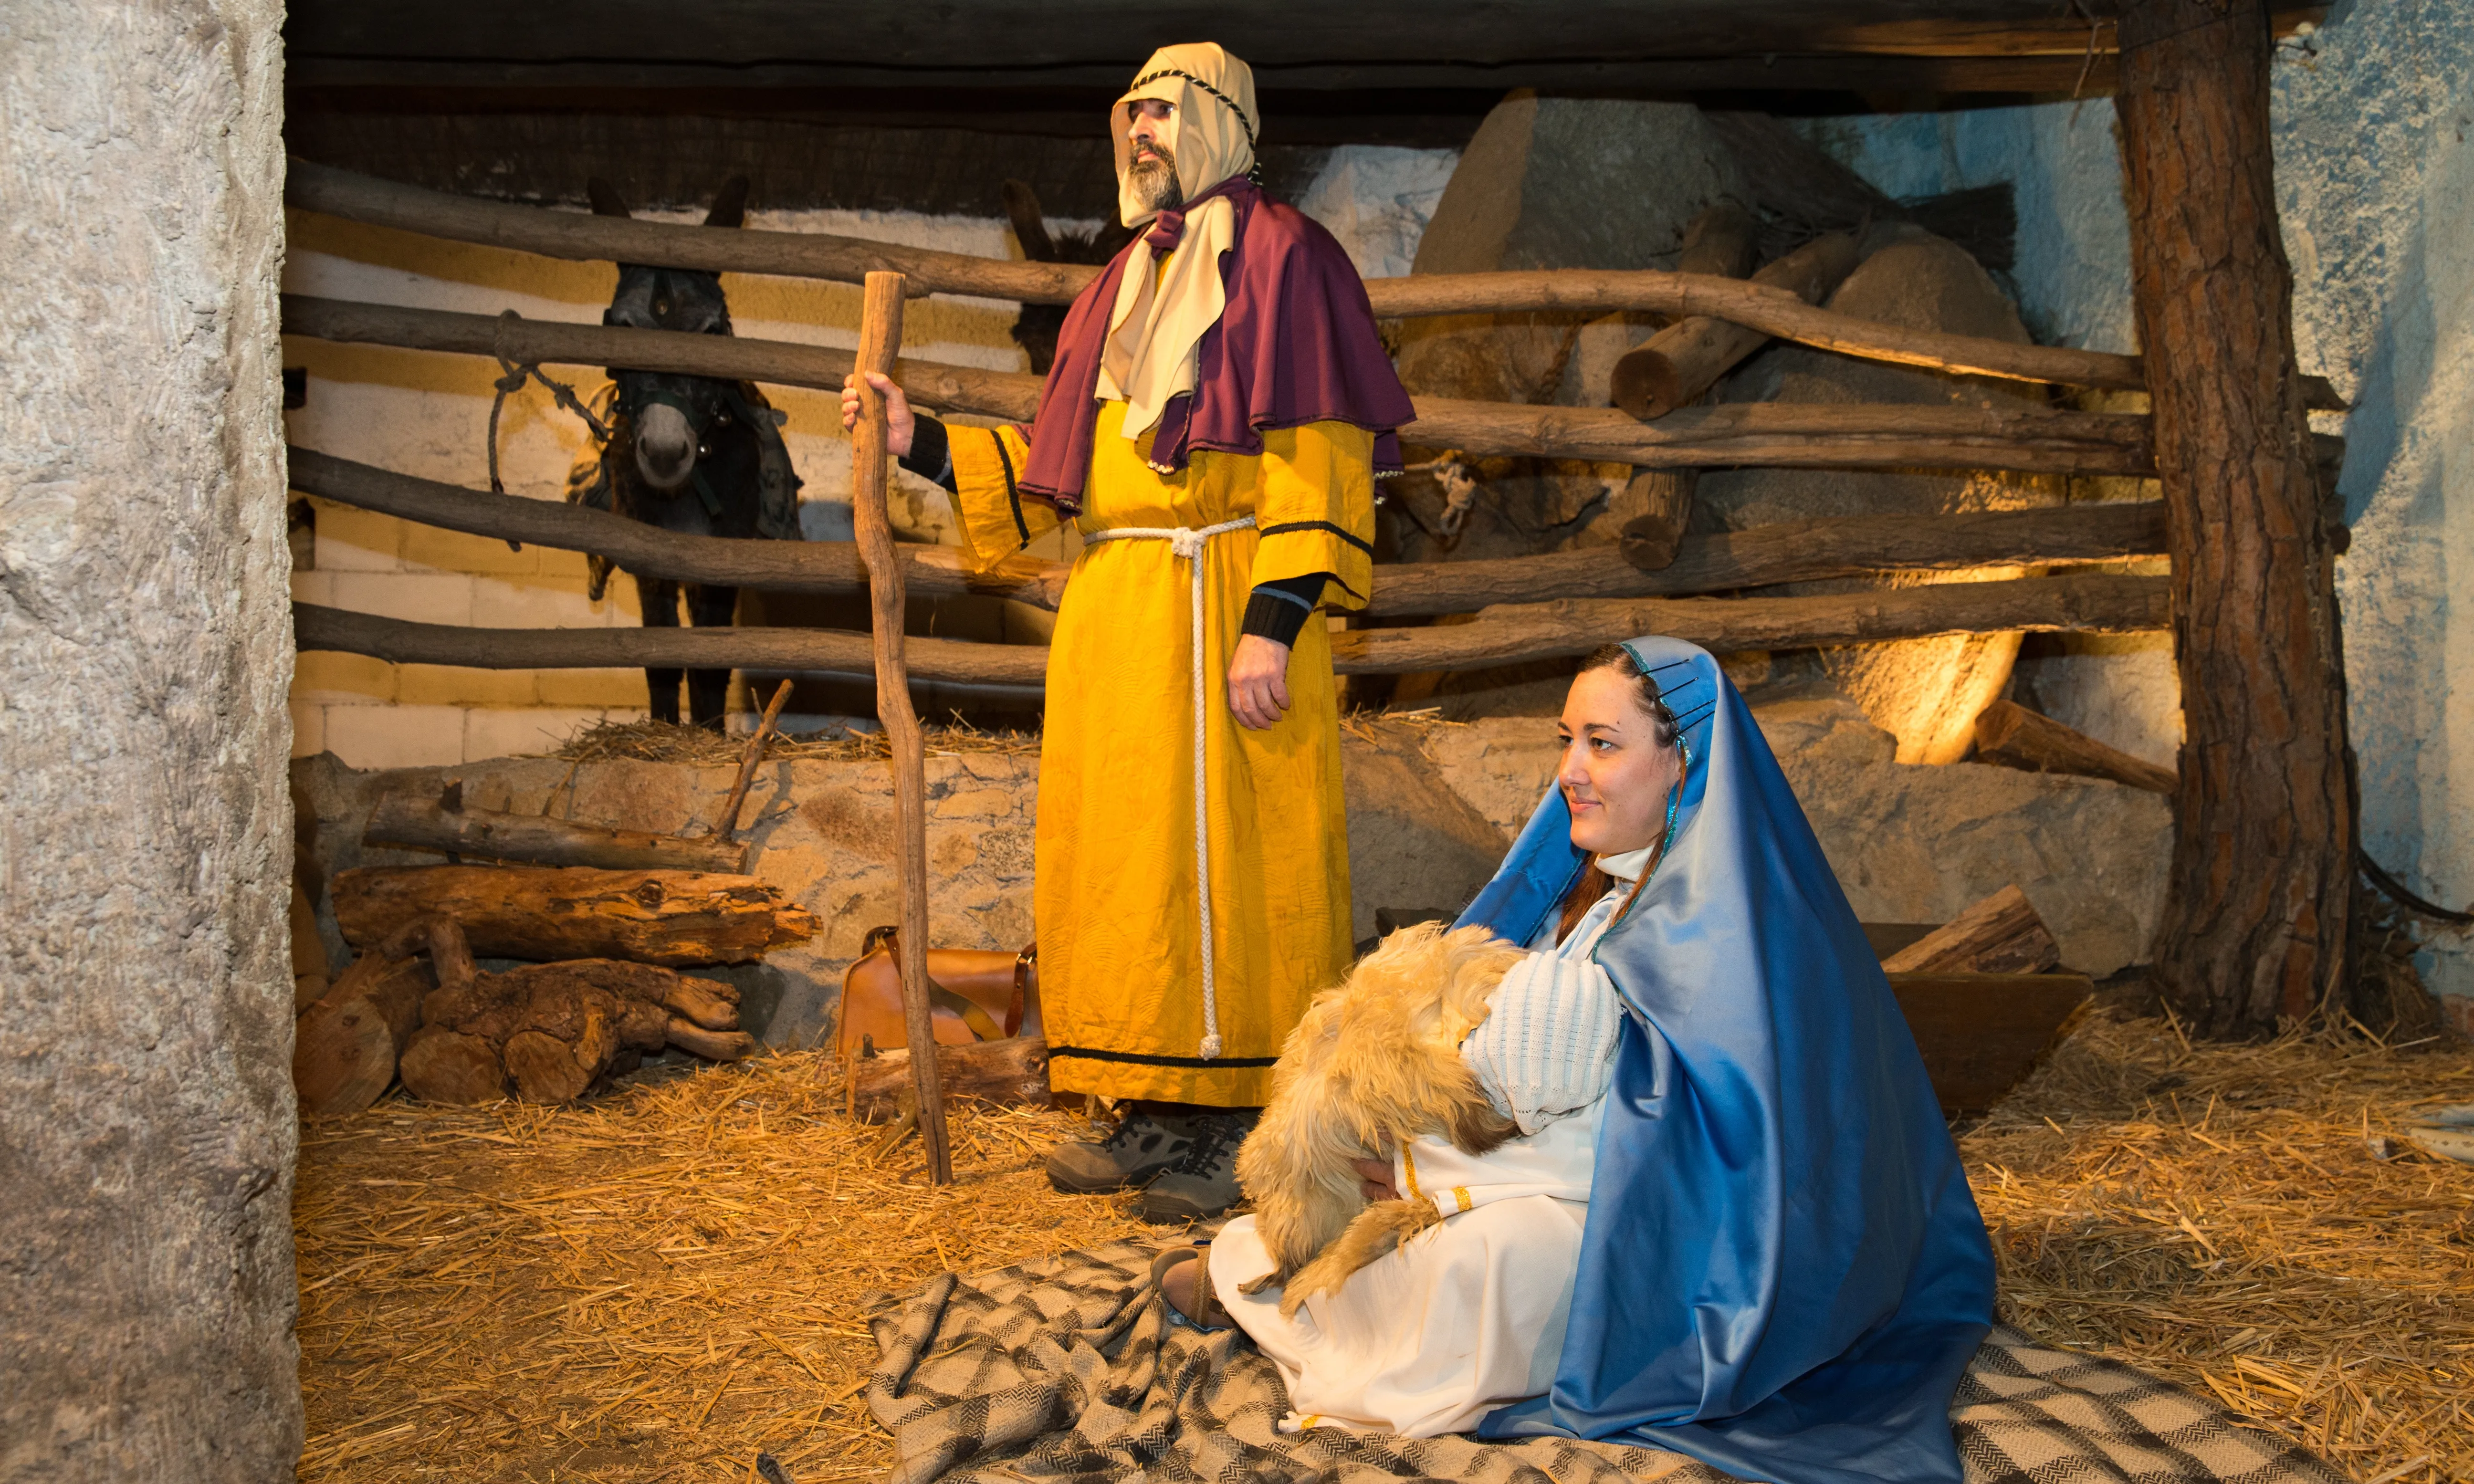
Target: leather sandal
{"x": 1209, "y": 1312}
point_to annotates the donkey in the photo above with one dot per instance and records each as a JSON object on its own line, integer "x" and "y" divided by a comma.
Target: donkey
{"x": 1036, "y": 329}
{"x": 692, "y": 455}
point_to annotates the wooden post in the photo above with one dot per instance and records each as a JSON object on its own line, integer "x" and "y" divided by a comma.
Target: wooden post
{"x": 2254, "y": 925}
{"x": 880, "y": 337}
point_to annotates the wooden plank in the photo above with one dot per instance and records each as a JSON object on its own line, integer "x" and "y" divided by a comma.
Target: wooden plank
{"x": 1980, "y": 1034}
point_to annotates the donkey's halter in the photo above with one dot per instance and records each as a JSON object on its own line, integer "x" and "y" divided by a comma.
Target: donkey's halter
{"x": 733, "y": 402}
{"x": 512, "y": 381}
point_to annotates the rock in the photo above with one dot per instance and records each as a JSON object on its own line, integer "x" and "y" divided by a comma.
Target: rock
{"x": 1925, "y": 691}
{"x": 1414, "y": 841}
{"x": 1556, "y": 182}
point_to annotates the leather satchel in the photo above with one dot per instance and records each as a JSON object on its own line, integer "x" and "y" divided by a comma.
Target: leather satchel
{"x": 974, "y": 994}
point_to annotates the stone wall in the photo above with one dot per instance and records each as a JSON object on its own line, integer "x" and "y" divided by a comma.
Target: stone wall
{"x": 1432, "y": 806}
{"x": 2372, "y": 116}
{"x": 146, "y": 1114}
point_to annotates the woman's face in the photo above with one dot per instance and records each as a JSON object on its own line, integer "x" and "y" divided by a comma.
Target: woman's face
{"x": 1614, "y": 776}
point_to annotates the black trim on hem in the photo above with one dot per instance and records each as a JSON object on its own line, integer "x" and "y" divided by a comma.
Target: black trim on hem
{"x": 1341, "y": 532}
{"x": 1014, "y": 495}
{"x": 1139, "y": 1059}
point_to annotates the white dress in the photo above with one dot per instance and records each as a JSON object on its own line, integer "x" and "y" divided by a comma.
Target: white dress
{"x": 1462, "y": 1318}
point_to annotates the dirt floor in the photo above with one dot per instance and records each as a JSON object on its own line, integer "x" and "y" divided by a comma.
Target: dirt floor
{"x": 665, "y": 1282}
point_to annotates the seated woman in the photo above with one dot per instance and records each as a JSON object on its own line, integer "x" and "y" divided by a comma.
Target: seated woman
{"x": 1734, "y": 1225}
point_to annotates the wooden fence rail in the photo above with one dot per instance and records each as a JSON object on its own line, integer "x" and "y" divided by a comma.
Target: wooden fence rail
{"x": 571, "y": 235}
{"x": 1790, "y": 552}
{"x": 1505, "y": 635}
{"x": 1763, "y": 434}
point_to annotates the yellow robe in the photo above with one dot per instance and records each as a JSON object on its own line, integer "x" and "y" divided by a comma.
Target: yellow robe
{"x": 1118, "y": 919}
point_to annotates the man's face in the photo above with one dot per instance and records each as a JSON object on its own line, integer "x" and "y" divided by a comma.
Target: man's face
{"x": 1151, "y": 167}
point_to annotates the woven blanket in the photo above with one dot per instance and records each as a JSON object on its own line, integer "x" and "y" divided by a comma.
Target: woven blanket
{"x": 1068, "y": 1369}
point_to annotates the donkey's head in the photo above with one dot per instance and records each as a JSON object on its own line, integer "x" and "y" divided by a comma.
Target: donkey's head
{"x": 1036, "y": 327}
{"x": 674, "y": 417}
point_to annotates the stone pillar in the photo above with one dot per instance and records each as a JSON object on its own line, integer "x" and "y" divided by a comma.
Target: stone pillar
{"x": 147, "y": 1132}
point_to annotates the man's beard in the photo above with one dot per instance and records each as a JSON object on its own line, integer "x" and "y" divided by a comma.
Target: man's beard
{"x": 1154, "y": 179}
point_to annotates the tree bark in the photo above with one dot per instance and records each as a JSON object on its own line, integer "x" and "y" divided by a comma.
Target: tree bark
{"x": 536, "y": 839}
{"x": 671, "y": 917}
{"x": 2254, "y": 927}
{"x": 2009, "y": 735}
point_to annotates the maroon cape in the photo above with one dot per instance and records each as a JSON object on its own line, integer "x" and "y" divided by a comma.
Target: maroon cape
{"x": 1296, "y": 345}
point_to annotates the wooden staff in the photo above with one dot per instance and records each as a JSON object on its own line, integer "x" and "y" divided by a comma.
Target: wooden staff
{"x": 880, "y": 336}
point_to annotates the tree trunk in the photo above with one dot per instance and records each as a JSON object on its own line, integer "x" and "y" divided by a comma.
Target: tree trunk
{"x": 2254, "y": 922}
{"x": 673, "y": 918}
{"x": 446, "y": 824}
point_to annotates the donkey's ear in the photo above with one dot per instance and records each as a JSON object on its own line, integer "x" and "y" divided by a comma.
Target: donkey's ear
{"x": 1030, "y": 223}
{"x": 730, "y": 207}
{"x": 605, "y": 198}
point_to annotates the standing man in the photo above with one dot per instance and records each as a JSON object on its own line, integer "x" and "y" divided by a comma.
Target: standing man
{"x": 1216, "y": 417}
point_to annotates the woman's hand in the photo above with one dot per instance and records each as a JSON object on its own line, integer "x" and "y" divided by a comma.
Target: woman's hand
{"x": 1375, "y": 1179}
{"x": 898, "y": 421}
{"x": 1258, "y": 680}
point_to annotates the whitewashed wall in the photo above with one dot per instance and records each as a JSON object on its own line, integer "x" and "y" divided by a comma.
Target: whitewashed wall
{"x": 428, "y": 415}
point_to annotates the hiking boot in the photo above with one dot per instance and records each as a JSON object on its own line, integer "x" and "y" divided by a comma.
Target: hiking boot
{"x": 1142, "y": 1146}
{"x": 1202, "y": 1182}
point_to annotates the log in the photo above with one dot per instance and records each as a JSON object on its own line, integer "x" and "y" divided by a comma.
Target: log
{"x": 344, "y": 1047}
{"x": 1651, "y": 539}
{"x": 880, "y": 337}
{"x": 1011, "y": 1073}
{"x": 1502, "y": 635}
{"x": 570, "y": 235}
{"x": 2011, "y": 735}
{"x": 1514, "y": 633}
{"x": 2254, "y": 929}
{"x": 2000, "y": 935}
{"x": 664, "y": 917}
{"x": 1781, "y": 434}
{"x": 1679, "y": 363}
{"x": 714, "y": 1045}
{"x": 1790, "y": 552}
{"x": 546, "y": 1069}
{"x": 646, "y": 550}
{"x": 701, "y": 1002}
{"x": 1980, "y": 1034}
{"x": 440, "y": 1065}
{"x": 536, "y": 839}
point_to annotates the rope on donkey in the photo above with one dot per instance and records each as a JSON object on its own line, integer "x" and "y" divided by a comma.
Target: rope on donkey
{"x": 513, "y": 376}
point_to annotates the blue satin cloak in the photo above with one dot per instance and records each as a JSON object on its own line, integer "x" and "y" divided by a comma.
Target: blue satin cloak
{"x": 1783, "y": 1273}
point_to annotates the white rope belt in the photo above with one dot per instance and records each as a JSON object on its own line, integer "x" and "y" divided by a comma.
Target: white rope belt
{"x": 1185, "y": 543}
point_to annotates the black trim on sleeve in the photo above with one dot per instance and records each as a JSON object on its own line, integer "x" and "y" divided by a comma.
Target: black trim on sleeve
{"x": 1341, "y": 532}
{"x": 931, "y": 454}
{"x": 1013, "y": 494}
{"x": 1278, "y": 611}
{"x": 1138, "y": 1059}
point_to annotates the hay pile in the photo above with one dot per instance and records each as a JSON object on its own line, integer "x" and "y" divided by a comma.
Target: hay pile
{"x": 2214, "y": 1214}
{"x": 695, "y": 746}
{"x": 661, "y": 1284}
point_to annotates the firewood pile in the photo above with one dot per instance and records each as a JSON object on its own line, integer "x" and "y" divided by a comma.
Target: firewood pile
{"x": 602, "y": 990}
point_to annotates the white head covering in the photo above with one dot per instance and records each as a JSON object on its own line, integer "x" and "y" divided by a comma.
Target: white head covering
{"x": 1162, "y": 312}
